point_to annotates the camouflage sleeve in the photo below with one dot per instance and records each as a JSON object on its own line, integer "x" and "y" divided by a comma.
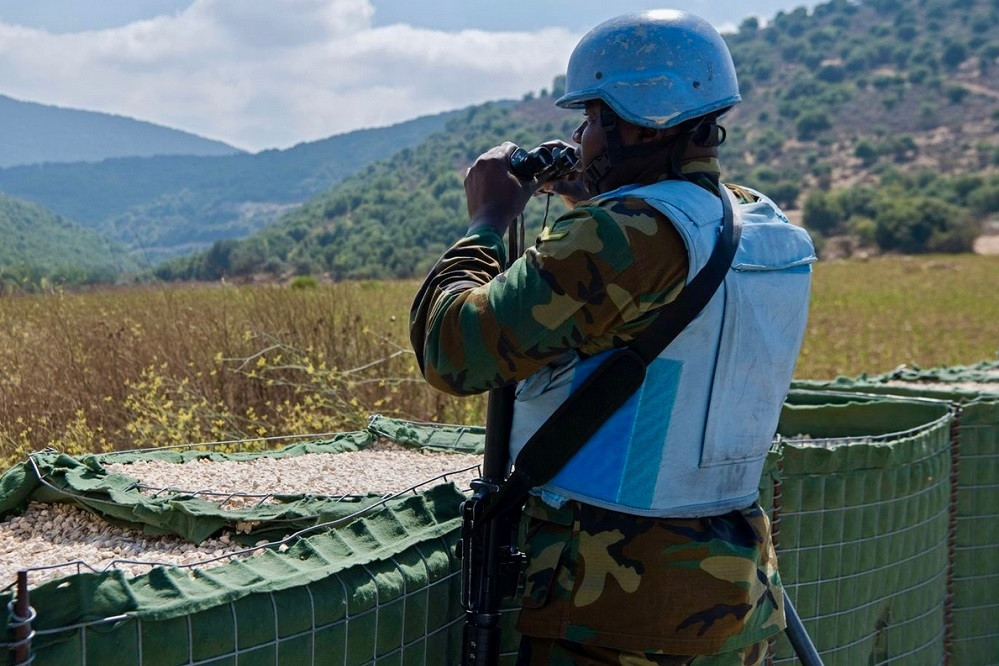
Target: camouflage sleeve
{"x": 588, "y": 283}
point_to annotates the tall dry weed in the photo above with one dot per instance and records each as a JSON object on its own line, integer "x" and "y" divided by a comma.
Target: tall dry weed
{"x": 138, "y": 367}
{"x": 153, "y": 366}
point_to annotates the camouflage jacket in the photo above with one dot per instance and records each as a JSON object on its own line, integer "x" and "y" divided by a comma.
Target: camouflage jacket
{"x": 593, "y": 280}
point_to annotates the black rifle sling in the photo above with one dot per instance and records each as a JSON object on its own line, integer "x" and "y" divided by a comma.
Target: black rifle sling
{"x": 616, "y": 379}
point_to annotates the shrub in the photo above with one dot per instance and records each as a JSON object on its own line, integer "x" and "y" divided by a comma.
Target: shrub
{"x": 810, "y": 123}
{"x": 304, "y": 282}
{"x": 822, "y": 213}
{"x": 954, "y": 54}
{"x": 784, "y": 193}
{"x": 831, "y": 73}
{"x": 956, "y": 94}
{"x": 866, "y": 152}
{"x": 921, "y": 224}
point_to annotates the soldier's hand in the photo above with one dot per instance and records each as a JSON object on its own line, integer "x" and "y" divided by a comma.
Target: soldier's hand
{"x": 572, "y": 186}
{"x": 494, "y": 195}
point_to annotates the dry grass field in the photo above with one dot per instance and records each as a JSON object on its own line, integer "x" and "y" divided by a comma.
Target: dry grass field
{"x": 151, "y": 366}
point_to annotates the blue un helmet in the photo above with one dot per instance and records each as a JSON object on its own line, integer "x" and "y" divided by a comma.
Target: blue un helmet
{"x": 655, "y": 69}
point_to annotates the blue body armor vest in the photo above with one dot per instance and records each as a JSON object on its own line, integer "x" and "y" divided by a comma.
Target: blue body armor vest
{"x": 693, "y": 439}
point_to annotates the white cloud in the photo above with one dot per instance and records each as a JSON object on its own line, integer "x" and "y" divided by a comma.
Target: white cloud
{"x": 271, "y": 73}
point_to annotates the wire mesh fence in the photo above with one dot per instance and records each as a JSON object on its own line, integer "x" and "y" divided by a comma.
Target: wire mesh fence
{"x": 879, "y": 507}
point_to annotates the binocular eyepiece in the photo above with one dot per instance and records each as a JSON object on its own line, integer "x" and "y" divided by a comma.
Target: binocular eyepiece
{"x": 543, "y": 163}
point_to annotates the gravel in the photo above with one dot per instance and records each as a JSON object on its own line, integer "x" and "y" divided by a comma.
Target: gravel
{"x": 985, "y": 388}
{"x": 383, "y": 468}
{"x": 71, "y": 539}
{"x": 803, "y": 440}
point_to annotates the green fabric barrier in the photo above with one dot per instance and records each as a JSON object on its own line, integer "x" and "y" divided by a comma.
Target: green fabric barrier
{"x": 16, "y": 485}
{"x": 380, "y": 590}
{"x": 430, "y": 436}
{"x": 54, "y": 477}
{"x": 974, "y": 632}
{"x": 862, "y": 525}
{"x": 983, "y": 372}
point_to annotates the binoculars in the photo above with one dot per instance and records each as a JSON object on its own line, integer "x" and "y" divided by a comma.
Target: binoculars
{"x": 543, "y": 163}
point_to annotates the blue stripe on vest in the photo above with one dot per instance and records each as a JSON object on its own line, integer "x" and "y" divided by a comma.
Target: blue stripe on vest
{"x": 638, "y": 484}
{"x": 621, "y": 461}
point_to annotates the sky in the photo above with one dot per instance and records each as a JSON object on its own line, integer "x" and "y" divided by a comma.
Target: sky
{"x": 262, "y": 74}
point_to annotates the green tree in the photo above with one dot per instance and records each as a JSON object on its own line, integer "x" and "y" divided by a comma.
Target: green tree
{"x": 811, "y": 123}
{"x": 953, "y": 55}
{"x": 866, "y": 152}
{"x": 920, "y": 224}
{"x": 823, "y": 213}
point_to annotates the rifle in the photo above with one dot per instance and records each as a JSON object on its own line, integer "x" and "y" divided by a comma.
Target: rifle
{"x": 490, "y": 560}
{"x": 491, "y": 563}
{"x": 803, "y": 647}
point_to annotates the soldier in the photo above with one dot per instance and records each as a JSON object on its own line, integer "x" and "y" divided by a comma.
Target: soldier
{"x": 649, "y": 547}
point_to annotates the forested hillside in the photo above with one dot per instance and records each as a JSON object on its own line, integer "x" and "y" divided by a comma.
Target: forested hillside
{"x": 160, "y": 207}
{"x": 34, "y": 133}
{"x": 874, "y": 123}
{"x": 392, "y": 218}
{"x": 40, "y": 247}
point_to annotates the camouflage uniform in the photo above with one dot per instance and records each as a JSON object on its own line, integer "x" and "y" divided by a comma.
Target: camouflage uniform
{"x": 600, "y": 578}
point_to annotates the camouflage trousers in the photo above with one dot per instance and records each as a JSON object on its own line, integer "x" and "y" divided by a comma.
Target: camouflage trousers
{"x": 553, "y": 652}
{"x": 607, "y": 580}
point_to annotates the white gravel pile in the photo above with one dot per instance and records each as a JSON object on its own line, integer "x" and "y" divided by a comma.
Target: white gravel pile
{"x": 804, "y": 440}
{"x": 383, "y": 468}
{"x": 55, "y": 534}
{"x": 986, "y": 388}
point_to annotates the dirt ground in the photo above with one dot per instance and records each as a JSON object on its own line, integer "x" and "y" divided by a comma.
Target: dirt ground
{"x": 987, "y": 244}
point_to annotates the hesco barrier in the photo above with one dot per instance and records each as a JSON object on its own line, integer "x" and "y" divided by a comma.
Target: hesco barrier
{"x": 859, "y": 486}
{"x": 861, "y": 511}
{"x": 974, "y": 558}
{"x": 375, "y": 583}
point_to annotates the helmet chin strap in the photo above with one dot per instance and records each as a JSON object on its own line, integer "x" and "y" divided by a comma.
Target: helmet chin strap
{"x": 615, "y": 153}
{"x": 704, "y": 132}
{"x": 601, "y": 165}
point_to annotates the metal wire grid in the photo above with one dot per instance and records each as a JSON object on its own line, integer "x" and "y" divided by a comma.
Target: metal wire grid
{"x": 375, "y": 658}
{"x": 976, "y": 550}
{"x": 430, "y": 640}
{"x": 430, "y": 647}
{"x": 888, "y": 437}
{"x": 929, "y": 643}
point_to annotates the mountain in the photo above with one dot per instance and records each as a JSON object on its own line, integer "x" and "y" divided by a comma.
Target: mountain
{"x": 872, "y": 122}
{"x": 40, "y": 245}
{"x": 160, "y": 207}
{"x": 33, "y": 133}
{"x": 875, "y": 120}
{"x": 393, "y": 218}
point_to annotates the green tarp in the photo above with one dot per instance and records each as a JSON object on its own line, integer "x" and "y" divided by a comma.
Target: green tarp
{"x": 53, "y": 477}
{"x": 367, "y": 569}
